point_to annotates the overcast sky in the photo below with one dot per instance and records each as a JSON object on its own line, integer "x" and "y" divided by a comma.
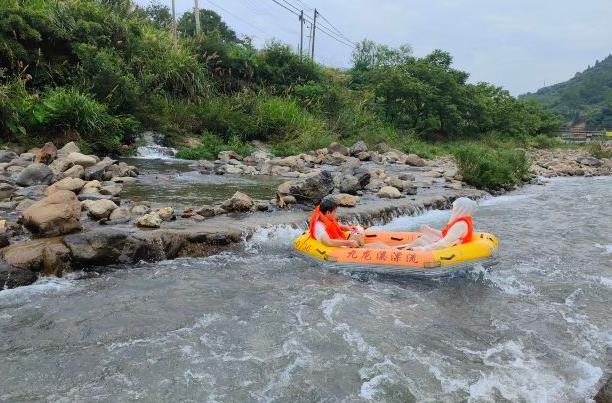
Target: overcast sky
{"x": 517, "y": 44}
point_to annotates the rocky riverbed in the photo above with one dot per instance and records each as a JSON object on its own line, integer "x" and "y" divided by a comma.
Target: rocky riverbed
{"x": 62, "y": 210}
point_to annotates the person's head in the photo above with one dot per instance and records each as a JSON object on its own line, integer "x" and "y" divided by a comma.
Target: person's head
{"x": 328, "y": 207}
{"x": 463, "y": 207}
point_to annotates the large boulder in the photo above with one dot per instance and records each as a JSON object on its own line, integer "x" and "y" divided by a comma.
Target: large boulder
{"x": 11, "y": 277}
{"x": 238, "y": 202}
{"x": 47, "y": 255}
{"x": 7, "y": 156}
{"x": 338, "y": 148}
{"x": 349, "y": 184}
{"x": 59, "y": 213}
{"x": 76, "y": 171}
{"x": 68, "y": 149}
{"x": 35, "y": 174}
{"x": 98, "y": 247}
{"x": 389, "y": 192}
{"x": 46, "y": 154}
{"x": 313, "y": 188}
{"x": 98, "y": 209}
{"x": 73, "y": 184}
{"x": 81, "y": 159}
{"x": 60, "y": 165}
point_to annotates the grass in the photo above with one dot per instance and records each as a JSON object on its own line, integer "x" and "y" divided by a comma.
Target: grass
{"x": 211, "y": 146}
{"x": 599, "y": 151}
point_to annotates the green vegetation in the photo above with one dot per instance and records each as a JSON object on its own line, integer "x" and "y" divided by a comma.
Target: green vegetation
{"x": 98, "y": 71}
{"x": 586, "y": 98}
{"x": 490, "y": 168}
{"x": 599, "y": 150}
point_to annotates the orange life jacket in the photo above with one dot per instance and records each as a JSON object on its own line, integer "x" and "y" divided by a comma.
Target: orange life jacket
{"x": 332, "y": 227}
{"x": 470, "y": 225}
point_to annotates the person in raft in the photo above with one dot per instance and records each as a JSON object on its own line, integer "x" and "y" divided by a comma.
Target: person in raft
{"x": 458, "y": 230}
{"x": 324, "y": 227}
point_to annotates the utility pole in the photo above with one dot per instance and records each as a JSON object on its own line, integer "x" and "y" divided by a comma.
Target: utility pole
{"x": 314, "y": 31}
{"x": 301, "y": 34}
{"x": 196, "y": 13}
{"x": 174, "y": 20}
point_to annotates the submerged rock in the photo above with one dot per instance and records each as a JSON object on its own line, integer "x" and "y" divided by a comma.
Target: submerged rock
{"x": 56, "y": 214}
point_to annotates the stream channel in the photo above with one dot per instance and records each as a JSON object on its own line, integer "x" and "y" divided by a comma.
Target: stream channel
{"x": 262, "y": 324}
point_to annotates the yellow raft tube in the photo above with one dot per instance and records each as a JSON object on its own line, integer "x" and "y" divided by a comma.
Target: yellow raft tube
{"x": 481, "y": 249}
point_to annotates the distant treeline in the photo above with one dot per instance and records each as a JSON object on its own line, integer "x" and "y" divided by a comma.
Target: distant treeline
{"x": 100, "y": 71}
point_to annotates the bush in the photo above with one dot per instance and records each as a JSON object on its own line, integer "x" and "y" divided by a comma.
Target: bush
{"x": 599, "y": 150}
{"x": 211, "y": 146}
{"x": 488, "y": 168}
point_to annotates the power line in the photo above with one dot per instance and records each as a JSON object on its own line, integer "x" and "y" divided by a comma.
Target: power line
{"x": 239, "y": 18}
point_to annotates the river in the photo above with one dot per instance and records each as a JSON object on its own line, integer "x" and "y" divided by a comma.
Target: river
{"x": 260, "y": 324}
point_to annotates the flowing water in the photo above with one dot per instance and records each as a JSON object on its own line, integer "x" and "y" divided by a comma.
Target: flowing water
{"x": 261, "y": 324}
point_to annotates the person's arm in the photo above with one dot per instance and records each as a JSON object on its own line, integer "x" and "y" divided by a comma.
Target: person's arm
{"x": 452, "y": 237}
{"x": 349, "y": 243}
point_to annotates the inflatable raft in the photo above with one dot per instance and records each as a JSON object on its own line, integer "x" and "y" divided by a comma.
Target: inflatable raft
{"x": 481, "y": 249}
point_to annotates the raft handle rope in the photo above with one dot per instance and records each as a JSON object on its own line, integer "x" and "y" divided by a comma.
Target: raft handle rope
{"x": 451, "y": 257}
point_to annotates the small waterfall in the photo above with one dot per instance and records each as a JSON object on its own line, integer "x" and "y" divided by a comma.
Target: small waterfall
{"x": 151, "y": 149}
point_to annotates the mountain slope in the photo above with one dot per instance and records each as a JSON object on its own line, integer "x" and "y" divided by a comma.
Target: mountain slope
{"x": 586, "y": 98}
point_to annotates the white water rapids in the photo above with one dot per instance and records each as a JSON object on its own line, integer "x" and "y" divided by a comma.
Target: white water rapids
{"x": 261, "y": 324}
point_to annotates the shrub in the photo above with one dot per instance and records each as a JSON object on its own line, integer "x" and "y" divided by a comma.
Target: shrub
{"x": 211, "y": 146}
{"x": 599, "y": 150}
{"x": 488, "y": 168}
{"x": 545, "y": 141}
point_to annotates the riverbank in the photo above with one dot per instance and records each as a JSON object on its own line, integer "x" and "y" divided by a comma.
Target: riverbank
{"x": 64, "y": 211}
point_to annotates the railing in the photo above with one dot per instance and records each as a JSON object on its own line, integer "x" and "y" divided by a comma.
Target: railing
{"x": 584, "y": 136}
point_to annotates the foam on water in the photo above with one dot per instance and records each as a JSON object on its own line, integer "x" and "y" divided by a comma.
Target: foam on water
{"x": 43, "y": 286}
{"x": 506, "y": 199}
{"x": 274, "y": 237}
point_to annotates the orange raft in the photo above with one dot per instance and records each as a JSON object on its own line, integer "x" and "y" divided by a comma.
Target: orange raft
{"x": 481, "y": 249}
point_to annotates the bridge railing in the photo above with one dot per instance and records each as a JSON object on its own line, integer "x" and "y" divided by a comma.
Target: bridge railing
{"x": 584, "y": 136}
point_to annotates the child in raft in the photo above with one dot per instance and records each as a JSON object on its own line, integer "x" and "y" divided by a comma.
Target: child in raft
{"x": 325, "y": 228}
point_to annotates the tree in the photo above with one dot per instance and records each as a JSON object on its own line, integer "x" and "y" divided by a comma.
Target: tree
{"x": 159, "y": 14}
{"x": 210, "y": 22}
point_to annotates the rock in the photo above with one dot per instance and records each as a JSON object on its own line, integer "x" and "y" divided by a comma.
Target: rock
{"x": 11, "y": 277}
{"x": 32, "y": 192}
{"x": 389, "y": 192}
{"x": 20, "y": 162}
{"x": 151, "y": 220}
{"x": 76, "y": 171}
{"x": 120, "y": 213}
{"x": 98, "y": 209}
{"x": 406, "y": 177}
{"x": 401, "y": 185}
{"x": 383, "y": 147}
{"x": 285, "y": 188}
{"x": 46, "y": 154}
{"x": 98, "y": 170}
{"x": 433, "y": 174}
{"x": 364, "y": 156}
{"x": 4, "y": 238}
{"x": 392, "y": 156}
{"x": 358, "y": 147}
{"x": 232, "y": 170}
{"x": 7, "y": 156}
{"x": 225, "y": 156}
{"x": 27, "y": 156}
{"x": 238, "y": 202}
{"x": 122, "y": 170}
{"x": 35, "y": 174}
{"x": 93, "y": 186}
{"x": 112, "y": 189}
{"x": 282, "y": 201}
{"x": 140, "y": 209}
{"x": 67, "y": 149}
{"x": 6, "y": 190}
{"x": 14, "y": 170}
{"x": 345, "y": 200}
{"x": 292, "y": 162}
{"x": 8, "y": 205}
{"x": 56, "y": 214}
{"x": 604, "y": 394}
{"x": 205, "y": 211}
{"x": 97, "y": 247}
{"x": 85, "y": 161}
{"x": 261, "y": 206}
{"x": 60, "y": 165}
{"x": 350, "y": 184}
{"x": 73, "y": 184}
{"x": 414, "y": 160}
{"x": 124, "y": 179}
{"x": 338, "y": 148}
{"x": 166, "y": 213}
{"x": 313, "y": 188}
{"x": 589, "y": 161}
{"x": 334, "y": 159}
{"x": 97, "y": 196}
{"x": 50, "y": 256}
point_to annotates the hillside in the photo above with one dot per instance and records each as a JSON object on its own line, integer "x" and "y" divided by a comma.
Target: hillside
{"x": 586, "y": 98}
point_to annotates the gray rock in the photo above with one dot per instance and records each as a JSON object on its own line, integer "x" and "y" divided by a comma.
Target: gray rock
{"x": 76, "y": 171}
{"x": 4, "y": 239}
{"x": 238, "y": 202}
{"x": 140, "y": 209}
{"x": 98, "y": 196}
{"x": 8, "y": 205}
{"x": 364, "y": 156}
{"x": 6, "y": 190}
{"x": 313, "y": 188}
{"x": 27, "y": 156}
{"x": 349, "y": 184}
{"x": 24, "y": 204}
{"x": 7, "y": 156}
{"x": 11, "y": 277}
{"x": 32, "y": 192}
{"x": 35, "y": 174}
{"x": 120, "y": 213}
{"x": 111, "y": 188}
{"x": 589, "y": 161}
{"x": 98, "y": 170}
{"x": 60, "y": 165}
{"x": 20, "y": 162}
{"x": 358, "y": 147}
{"x": 96, "y": 247}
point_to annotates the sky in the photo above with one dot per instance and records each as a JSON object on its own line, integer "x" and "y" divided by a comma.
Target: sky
{"x": 520, "y": 45}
